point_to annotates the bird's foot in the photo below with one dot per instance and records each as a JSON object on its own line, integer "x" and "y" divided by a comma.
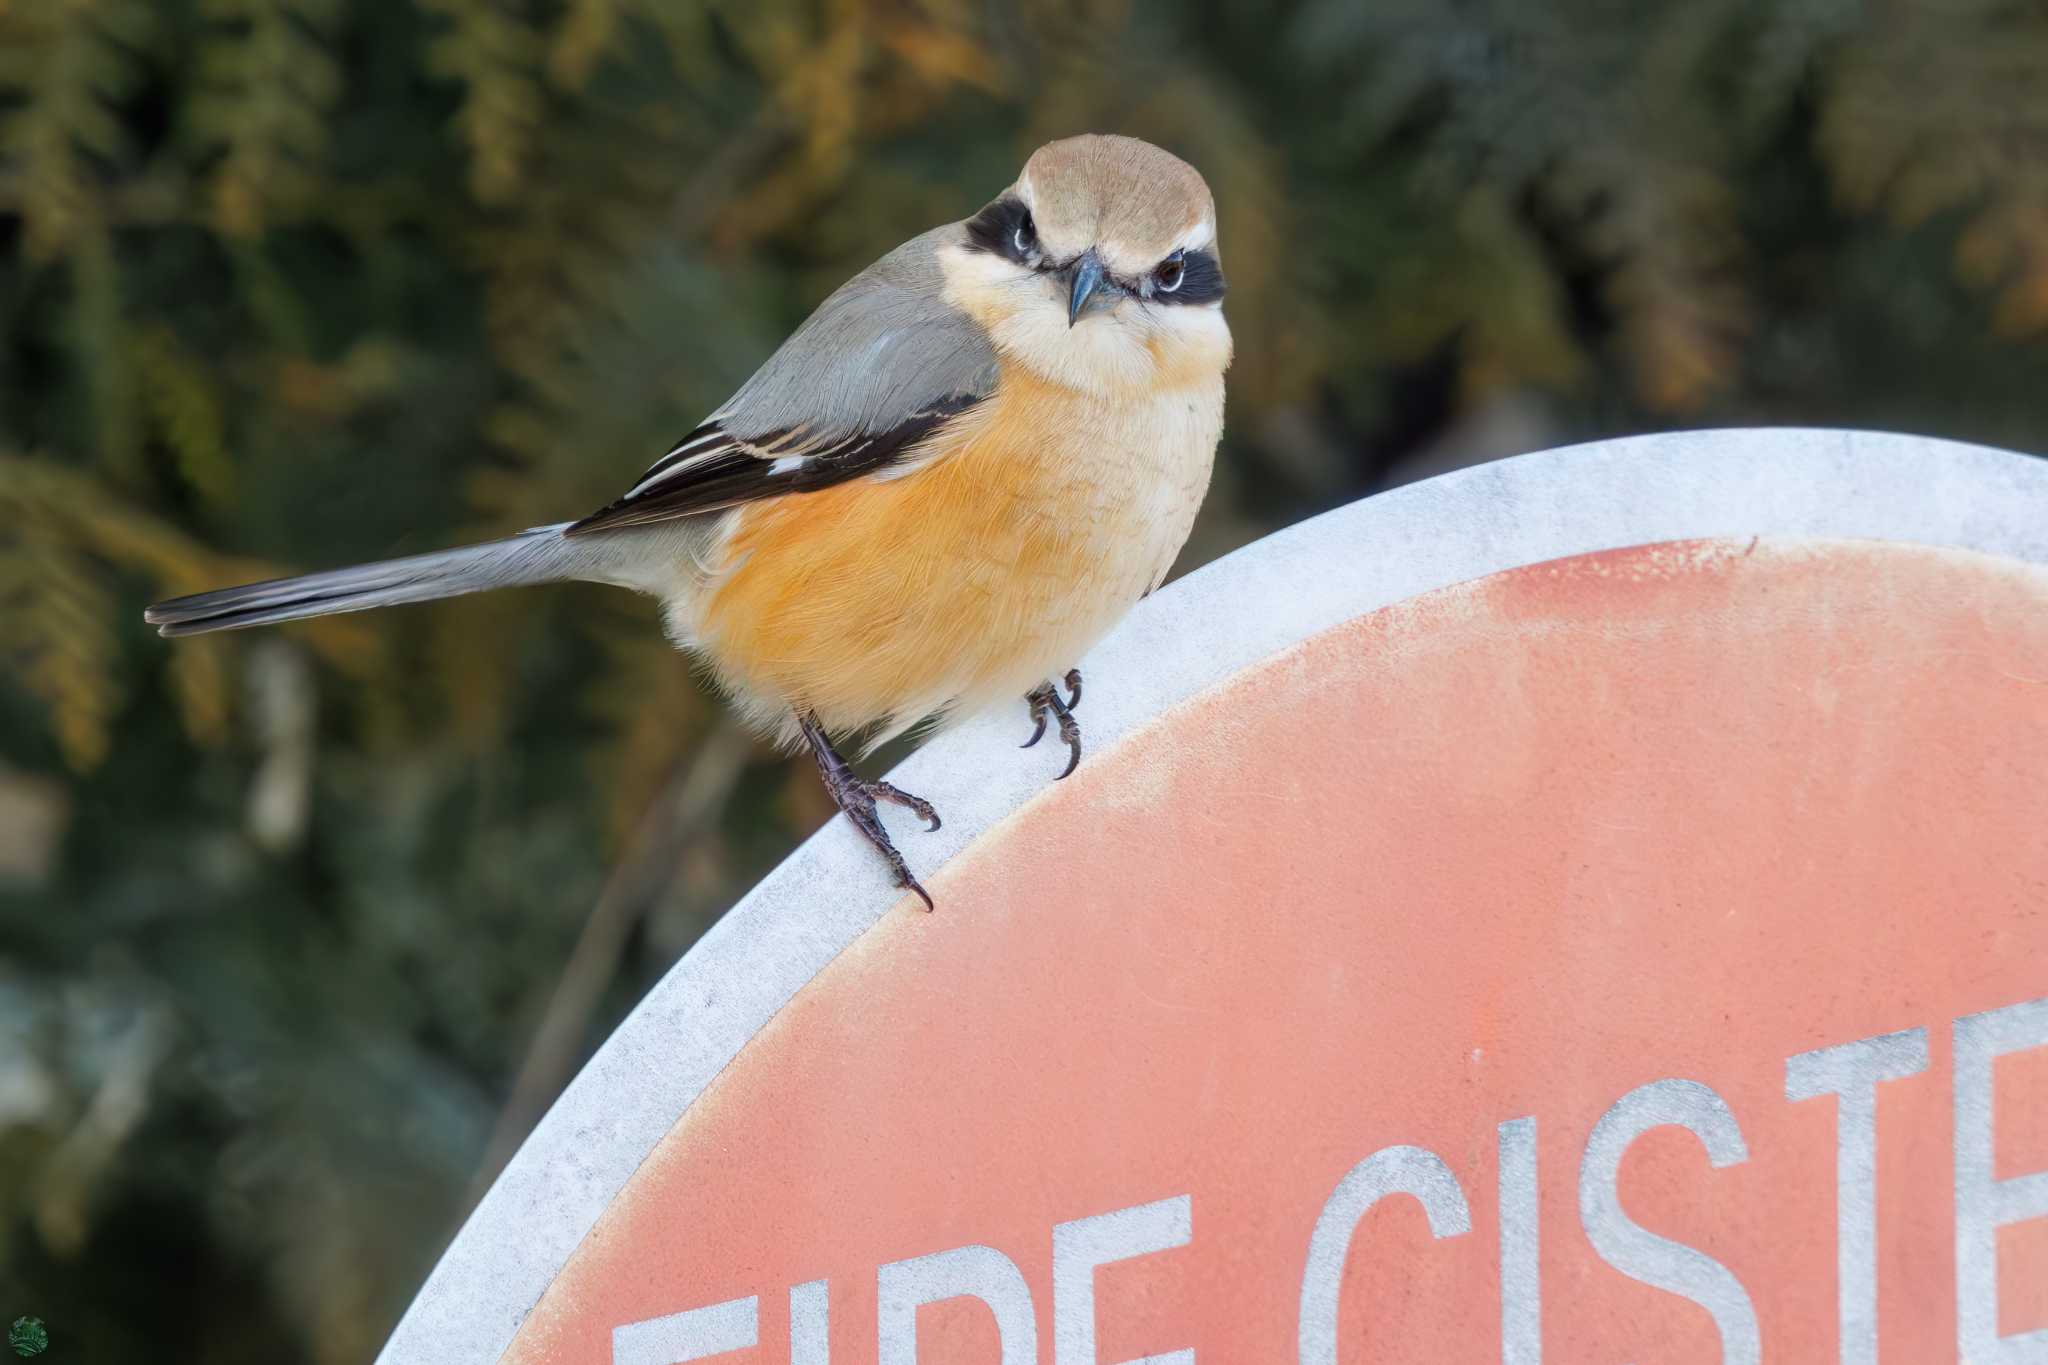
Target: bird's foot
{"x": 1045, "y": 701}
{"x": 883, "y": 791}
{"x": 856, "y": 796}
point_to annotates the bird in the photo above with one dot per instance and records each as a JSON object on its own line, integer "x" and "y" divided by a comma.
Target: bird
{"x": 951, "y": 480}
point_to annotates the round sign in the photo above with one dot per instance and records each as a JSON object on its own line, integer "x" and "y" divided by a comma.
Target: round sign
{"x": 1595, "y": 905}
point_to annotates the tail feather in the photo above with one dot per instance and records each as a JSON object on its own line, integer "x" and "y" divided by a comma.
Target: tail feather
{"x": 541, "y": 555}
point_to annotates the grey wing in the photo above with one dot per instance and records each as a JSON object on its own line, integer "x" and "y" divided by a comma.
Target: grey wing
{"x": 884, "y": 363}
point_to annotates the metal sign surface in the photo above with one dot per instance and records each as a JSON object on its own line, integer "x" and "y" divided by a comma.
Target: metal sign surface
{"x": 1587, "y": 907}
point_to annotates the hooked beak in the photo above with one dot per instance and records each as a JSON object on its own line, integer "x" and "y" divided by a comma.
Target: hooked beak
{"x": 1082, "y": 283}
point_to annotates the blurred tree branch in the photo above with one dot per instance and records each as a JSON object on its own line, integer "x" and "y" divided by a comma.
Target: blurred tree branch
{"x": 690, "y": 805}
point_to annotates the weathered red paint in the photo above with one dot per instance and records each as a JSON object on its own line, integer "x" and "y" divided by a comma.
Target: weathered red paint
{"x": 1513, "y": 848}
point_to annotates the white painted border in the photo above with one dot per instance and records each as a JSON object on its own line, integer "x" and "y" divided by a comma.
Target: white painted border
{"x": 1190, "y": 636}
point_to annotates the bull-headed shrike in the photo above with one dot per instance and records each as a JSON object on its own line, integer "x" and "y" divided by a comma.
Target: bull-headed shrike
{"x": 949, "y": 483}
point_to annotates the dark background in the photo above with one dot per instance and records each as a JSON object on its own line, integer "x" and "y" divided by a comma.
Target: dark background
{"x": 300, "y": 930}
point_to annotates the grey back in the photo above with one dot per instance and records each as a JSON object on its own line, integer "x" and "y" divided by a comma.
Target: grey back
{"x": 884, "y": 347}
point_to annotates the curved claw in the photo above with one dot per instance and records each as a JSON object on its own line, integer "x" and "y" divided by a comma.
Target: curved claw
{"x": 1070, "y": 731}
{"x": 1045, "y": 702}
{"x": 917, "y": 805}
{"x": 910, "y": 884}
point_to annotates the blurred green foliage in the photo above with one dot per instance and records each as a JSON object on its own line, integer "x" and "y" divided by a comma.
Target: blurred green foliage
{"x": 292, "y": 283}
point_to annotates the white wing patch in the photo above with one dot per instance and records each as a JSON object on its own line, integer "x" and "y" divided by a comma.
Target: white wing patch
{"x": 785, "y": 456}
{"x": 691, "y": 453}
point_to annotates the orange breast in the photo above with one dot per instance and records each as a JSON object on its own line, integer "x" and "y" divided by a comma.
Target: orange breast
{"x": 972, "y": 576}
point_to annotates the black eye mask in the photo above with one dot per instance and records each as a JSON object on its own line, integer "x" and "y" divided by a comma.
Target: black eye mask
{"x": 1000, "y": 227}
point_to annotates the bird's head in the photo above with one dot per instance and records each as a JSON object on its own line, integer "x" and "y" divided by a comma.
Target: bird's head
{"x": 1098, "y": 269}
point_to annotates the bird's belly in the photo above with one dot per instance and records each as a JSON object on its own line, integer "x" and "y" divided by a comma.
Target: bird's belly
{"x": 966, "y": 582}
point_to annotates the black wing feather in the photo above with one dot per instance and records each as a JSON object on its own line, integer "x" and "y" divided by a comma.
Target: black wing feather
{"x": 711, "y": 470}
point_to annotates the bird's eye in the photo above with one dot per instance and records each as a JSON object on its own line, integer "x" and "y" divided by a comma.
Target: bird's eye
{"x": 1025, "y": 237}
{"x": 1170, "y": 273}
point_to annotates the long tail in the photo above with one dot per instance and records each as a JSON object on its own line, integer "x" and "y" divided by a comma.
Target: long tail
{"x": 542, "y": 555}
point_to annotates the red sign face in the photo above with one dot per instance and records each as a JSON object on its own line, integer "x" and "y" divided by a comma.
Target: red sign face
{"x": 1635, "y": 957}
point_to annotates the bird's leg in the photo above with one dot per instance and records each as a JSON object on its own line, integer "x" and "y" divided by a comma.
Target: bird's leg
{"x": 1044, "y": 701}
{"x": 1040, "y": 706}
{"x": 856, "y": 796}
